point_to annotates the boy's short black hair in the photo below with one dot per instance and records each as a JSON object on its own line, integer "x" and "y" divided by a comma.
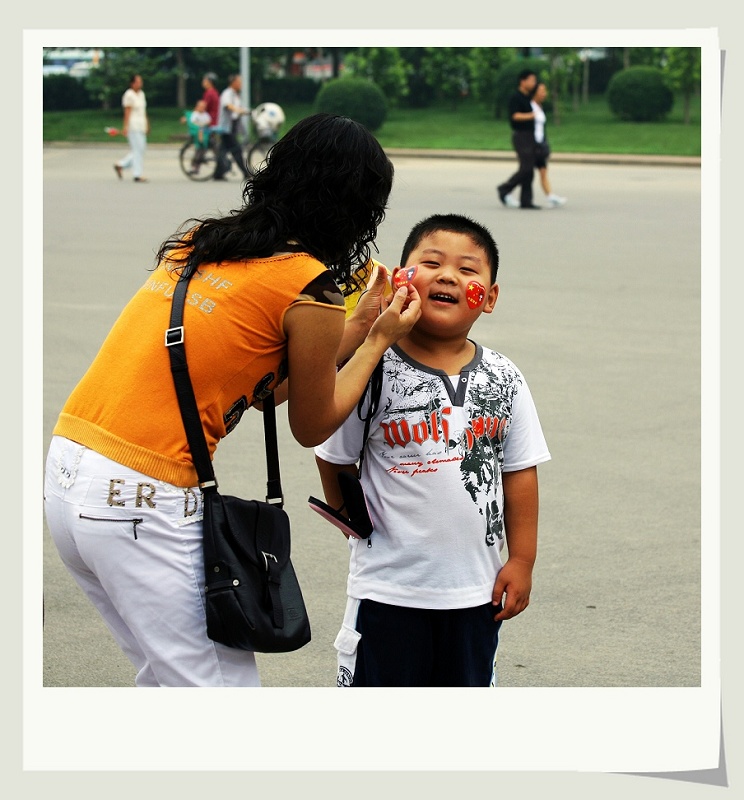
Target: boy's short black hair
{"x": 525, "y": 73}
{"x": 455, "y": 223}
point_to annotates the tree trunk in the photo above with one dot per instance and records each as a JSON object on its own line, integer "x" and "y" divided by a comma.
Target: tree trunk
{"x": 181, "y": 78}
{"x": 335, "y": 61}
{"x": 585, "y": 83}
{"x": 556, "y": 95}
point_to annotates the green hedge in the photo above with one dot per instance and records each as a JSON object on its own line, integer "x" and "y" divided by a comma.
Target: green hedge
{"x": 639, "y": 94}
{"x": 65, "y": 93}
{"x": 358, "y": 98}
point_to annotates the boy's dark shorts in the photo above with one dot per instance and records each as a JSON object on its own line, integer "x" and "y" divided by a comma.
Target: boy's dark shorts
{"x": 390, "y": 645}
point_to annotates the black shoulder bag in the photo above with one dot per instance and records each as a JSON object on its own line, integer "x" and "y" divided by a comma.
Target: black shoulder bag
{"x": 253, "y": 598}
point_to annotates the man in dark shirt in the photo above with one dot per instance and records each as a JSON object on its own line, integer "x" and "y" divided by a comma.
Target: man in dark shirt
{"x": 522, "y": 120}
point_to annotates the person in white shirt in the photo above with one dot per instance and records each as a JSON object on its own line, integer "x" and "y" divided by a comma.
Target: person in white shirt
{"x": 136, "y": 127}
{"x": 542, "y": 147}
{"x": 449, "y": 444}
{"x": 231, "y": 129}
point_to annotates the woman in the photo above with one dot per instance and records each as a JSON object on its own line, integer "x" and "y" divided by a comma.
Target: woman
{"x": 542, "y": 148}
{"x": 265, "y": 304}
{"x": 136, "y": 127}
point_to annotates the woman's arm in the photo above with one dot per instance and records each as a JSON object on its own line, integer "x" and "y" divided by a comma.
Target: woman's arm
{"x": 125, "y": 123}
{"x": 320, "y": 397}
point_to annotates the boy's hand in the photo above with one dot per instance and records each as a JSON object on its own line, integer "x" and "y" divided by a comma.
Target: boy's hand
{"x": 514, "y": 580}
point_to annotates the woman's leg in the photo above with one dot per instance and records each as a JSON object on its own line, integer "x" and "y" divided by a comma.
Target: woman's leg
{"x": 138, "y": 143}
{"x": 134, "y": 545}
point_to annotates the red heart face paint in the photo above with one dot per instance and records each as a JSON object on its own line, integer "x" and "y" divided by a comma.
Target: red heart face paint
{"x": 403, "y": 276}
{"x": 475, "y": 293}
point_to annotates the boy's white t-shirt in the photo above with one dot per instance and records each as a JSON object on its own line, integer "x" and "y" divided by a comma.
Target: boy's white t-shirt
{"x": 432, "y": 479}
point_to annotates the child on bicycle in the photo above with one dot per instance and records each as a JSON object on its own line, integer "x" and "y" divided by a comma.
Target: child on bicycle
{"x": 199, "y": 123}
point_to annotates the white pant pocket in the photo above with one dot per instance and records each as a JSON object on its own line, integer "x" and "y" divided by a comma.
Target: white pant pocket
{"x": 346, "y": 644}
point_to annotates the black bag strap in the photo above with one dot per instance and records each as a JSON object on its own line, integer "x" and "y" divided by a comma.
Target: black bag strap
{"x": 374, "y": 390}
{"x": 174, "y": 341}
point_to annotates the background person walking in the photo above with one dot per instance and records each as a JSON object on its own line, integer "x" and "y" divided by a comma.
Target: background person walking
{"x": 522, "y": 120}
{"x": 136, "y": 127}
{"x": 542, "y": 147}
{"x": 231, "y": 129}
{"x": 211, "y": 97}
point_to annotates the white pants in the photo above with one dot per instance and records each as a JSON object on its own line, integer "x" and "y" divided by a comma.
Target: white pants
{"x": 134, "y": 545}
{"x": 135, "y": 158}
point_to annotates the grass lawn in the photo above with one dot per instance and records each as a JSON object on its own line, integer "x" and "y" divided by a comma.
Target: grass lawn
{"x": 590, "y": 129}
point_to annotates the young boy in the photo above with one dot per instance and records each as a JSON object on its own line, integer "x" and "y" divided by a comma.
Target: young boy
{"x": 199, "y": 123}
{"x": 449, "y": 472}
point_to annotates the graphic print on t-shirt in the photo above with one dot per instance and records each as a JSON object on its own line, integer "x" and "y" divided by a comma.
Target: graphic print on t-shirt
{"x": 427, "y": 427}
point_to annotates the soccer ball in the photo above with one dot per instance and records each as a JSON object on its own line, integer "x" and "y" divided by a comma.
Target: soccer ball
{"x": 268, "y": 118}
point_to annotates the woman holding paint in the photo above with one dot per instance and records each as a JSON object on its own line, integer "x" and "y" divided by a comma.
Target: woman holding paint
{"x": 265, "y": 308}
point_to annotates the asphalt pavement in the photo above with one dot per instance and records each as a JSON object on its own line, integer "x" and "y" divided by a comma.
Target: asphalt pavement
{"x": 599, "y": 305}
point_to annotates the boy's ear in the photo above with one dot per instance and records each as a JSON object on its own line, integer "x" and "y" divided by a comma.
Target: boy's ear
{"x": 491, "y": 298}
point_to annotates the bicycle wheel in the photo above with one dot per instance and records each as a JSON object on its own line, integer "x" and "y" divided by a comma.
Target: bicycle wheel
{"x": 201, "y": 168}
{"x": 257, "y": 155}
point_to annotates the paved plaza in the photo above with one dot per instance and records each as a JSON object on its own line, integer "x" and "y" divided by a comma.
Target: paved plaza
{"x": 600, "y": 307}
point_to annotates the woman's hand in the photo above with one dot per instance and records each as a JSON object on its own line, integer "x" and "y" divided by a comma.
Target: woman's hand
{"x": 399, "y": 317}
{"x": 320, "y": 397}
{"x": 372, "y": 300}
{"x": 369, "y": 305}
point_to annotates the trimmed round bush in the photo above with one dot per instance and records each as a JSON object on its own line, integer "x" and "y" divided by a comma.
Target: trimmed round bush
{"x": 639, "y": 94}
{"x": 357, "y": 98}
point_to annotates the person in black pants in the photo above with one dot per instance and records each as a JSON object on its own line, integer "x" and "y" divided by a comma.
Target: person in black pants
{"x": 522, "y": 119}
{"x": 231, "y": 129}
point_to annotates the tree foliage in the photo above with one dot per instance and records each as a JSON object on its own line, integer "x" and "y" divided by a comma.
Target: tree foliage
{"x": 682, "y": 74}
{"x": 448, "y": 70}
{"x": 486, "y": 62}
{"x": 414, "y": 76}
{"x": 384, "y": 66}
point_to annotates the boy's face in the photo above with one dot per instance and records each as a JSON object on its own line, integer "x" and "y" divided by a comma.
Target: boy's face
{"x": 453, "y": 279}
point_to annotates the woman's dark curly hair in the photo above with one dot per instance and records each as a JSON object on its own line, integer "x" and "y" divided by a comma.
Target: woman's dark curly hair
{"x": 325, "y": 187}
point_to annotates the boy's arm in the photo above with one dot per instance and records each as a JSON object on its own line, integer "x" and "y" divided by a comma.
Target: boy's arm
{"x": 329, "y": 481}
{"x": 520, "y": 521}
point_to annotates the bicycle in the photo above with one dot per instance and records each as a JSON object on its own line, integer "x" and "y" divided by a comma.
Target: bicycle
{"x": 199, "y": 164}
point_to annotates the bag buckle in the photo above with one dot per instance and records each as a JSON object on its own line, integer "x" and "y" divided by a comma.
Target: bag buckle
{"x": 267, "y": 556}
{"x": 174, "y": 336}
